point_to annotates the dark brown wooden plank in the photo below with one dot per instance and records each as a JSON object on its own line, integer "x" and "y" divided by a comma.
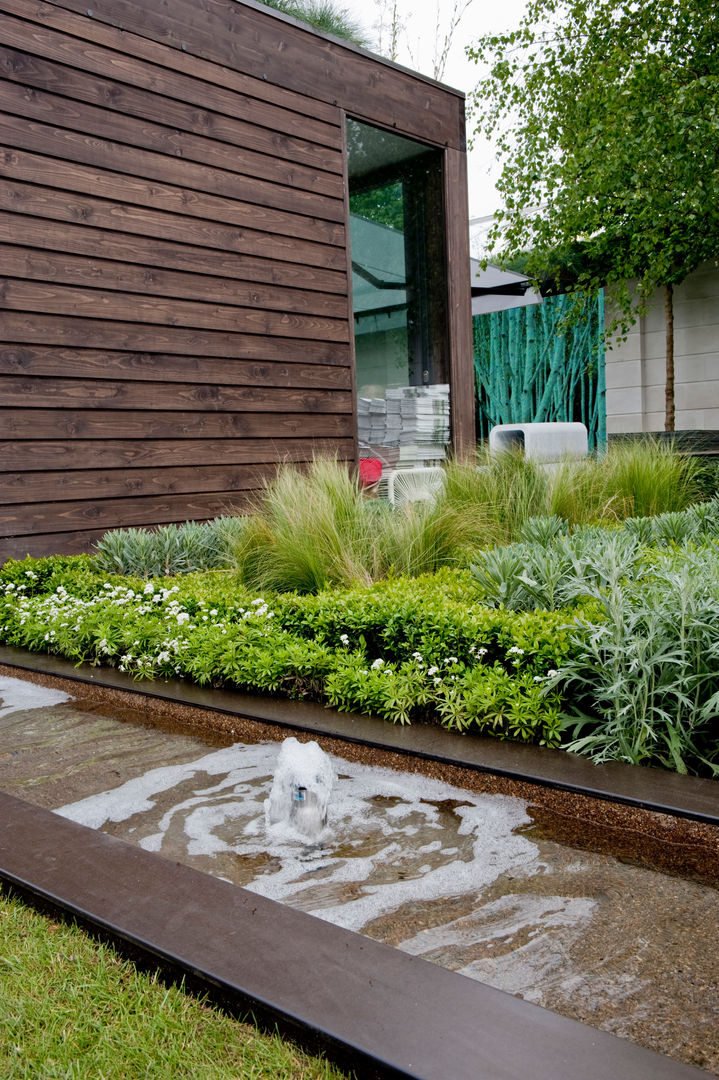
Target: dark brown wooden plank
{"x": 261, "y": 125}
{"x": 73, "y": 332}
{"x": 147, "y": 424}
{"x": 350, "y": 299}
{"x": 130, "y": 204}
{"x": 91, "y": 484}
{"x": 107, "y": 274}
{"x": 216, "y": 193}
{"x": 54, "y": 393}
{"x": 23, "y": 518}
{"x": 262, "y": 154}
{"x": 17, "y": 294}
{"x": 319, "y": 119}
{"x": 53, "y": 229}
{"x": 41, "y": 544}
{"x": 459, "y": 306}
{"x": 256, "y": 42}
{"x": 156, "y": 367}
{"x": 197, "y": 162}
{"x": 30, "y": 455}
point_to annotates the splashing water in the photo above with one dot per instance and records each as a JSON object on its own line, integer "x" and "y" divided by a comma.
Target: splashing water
{"x": 301, "y": 789}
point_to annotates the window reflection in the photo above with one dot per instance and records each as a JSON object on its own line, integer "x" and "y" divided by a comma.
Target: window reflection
{"x": 399, "y": 290}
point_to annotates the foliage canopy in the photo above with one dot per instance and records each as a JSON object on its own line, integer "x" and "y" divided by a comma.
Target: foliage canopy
{"x": 606, "y": 115}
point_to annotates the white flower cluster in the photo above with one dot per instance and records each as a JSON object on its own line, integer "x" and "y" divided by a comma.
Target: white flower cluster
{"x": 551, "y": 674}
{"x": 62, "y": 611}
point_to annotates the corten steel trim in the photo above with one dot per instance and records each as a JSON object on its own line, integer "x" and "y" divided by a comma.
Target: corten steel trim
{"x": 394, "y": 1014}
{"x": 647, "y": 788}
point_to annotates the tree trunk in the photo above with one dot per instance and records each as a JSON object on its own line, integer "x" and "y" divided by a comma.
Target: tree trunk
{"x": 669, "y": 386}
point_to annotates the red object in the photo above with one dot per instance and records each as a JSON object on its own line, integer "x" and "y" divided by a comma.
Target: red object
{"x": 370, "y": 471}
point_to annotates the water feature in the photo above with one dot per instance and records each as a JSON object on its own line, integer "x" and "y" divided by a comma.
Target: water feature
{"x": 463, "y": 878}
{"x": 301, "y": 789}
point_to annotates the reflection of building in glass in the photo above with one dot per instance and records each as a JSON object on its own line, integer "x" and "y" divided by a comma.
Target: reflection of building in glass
{"x": 399, "y": 296}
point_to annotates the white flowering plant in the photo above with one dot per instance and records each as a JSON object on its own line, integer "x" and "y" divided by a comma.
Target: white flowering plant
{"x": 403, "y": 650}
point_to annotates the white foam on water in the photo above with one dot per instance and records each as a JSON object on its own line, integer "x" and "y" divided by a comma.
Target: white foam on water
{"x": 374, "y": 856}
{"x": 16, "y": 695}
{"x": 139, "y": 795}
{"x": 525, "y": 940}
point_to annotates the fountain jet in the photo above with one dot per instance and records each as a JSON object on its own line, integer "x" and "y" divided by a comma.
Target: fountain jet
{"x": 301, "y": 788}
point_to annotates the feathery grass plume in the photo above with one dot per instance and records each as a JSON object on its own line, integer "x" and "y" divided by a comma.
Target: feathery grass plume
{"x": 314, "y": 528}
{"x": 310, "y": 528}
{"x": 579, "y": 493}
{"x": 652, "y": 477}
{"x": 503, "y": 490}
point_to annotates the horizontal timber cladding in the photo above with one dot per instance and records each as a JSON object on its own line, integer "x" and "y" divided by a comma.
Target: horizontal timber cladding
{"x": 40, "y": 455}
{"x": 76, "y": 516}
{"x": 108, "y": 394}
{"x": 175, "y": 314}
{"x": 246, "y": 38}
{"x": 156, "y": 367}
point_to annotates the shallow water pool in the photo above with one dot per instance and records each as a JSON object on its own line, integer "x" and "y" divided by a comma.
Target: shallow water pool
{"x": 463, "y": 879}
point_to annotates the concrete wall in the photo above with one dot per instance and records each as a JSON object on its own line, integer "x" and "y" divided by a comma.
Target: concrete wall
{"x": 635, "y": 369}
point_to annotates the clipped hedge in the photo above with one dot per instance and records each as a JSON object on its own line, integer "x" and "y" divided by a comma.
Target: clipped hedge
{"x": 419, "y": 650}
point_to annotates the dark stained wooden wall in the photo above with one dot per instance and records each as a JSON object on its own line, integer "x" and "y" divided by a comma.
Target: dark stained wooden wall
{"x": 174, "y": 300}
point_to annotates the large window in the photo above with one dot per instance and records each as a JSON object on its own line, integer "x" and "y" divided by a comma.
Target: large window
{"x": 399, "y": 290}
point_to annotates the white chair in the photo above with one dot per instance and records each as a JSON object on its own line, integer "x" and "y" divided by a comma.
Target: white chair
{"x": 414, "y": 485}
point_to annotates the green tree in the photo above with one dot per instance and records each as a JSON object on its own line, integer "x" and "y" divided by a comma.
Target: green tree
{"x": 606, "y": 116}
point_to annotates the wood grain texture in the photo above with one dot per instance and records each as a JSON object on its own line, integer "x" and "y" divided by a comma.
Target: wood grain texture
{"x": 258, "y": 43}
{"x": 17, "y": 294}
{"x": 68, "y": 221}
{"x": 37, "y": 455}
{"x": 23, "y": 519}
{"x": 131, "y": 276}
{"x": 155, "y": 121}
{"x": 263, "y": 125}
{"x": 55, "y": 393}
{"x": 21, "y": 327}
{"x": 42, "y": 544}
{"x": 132, "y": 204}
{"x": 129, "y": 43}
{"x": 91, "y": 484}
{"x": 30, "y": 423}
{"x": 157, "y": 367}
{"x": 210, "y": 192}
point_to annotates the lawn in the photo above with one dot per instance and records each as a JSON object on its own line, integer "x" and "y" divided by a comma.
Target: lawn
{"x": 72, "y": 1008}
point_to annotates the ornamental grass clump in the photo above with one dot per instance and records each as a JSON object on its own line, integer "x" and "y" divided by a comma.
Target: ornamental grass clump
{"x": 313, "y": 529}
{"x": 636, "y": 478}
{"x": 496, "y": 494}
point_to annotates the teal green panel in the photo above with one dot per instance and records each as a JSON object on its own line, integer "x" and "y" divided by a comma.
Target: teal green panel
{"x": 544, "y": 362}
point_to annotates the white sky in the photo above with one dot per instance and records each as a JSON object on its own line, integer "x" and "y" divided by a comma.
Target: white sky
{"x": 417, "y": 50}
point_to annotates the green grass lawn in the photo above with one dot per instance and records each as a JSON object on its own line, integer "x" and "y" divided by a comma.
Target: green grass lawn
{"x": 73, "y": 1009}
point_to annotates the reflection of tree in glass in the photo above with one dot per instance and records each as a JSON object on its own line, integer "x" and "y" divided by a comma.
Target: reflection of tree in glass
{"x": 384, "y": 204}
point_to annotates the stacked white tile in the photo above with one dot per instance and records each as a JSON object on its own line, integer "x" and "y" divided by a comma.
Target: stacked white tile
{"x": 371, "y": 421}
{"x": 424, "y": 420}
